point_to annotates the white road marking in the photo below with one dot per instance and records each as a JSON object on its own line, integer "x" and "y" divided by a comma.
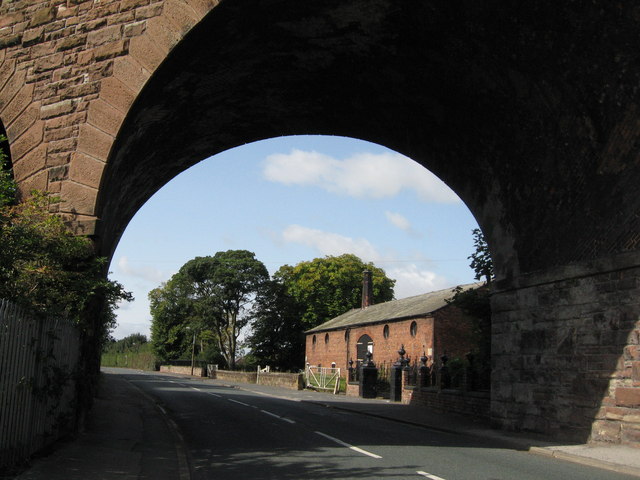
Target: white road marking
{"x": 236, "y": 401}
{"x": 429, "y": 475}
{"x": 214, "y": 394}
{"x": 278, "y": 417}
{"x": 345, "y": 444}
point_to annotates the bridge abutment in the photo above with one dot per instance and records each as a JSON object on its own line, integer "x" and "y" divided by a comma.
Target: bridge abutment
{"x": 566, "y": 359}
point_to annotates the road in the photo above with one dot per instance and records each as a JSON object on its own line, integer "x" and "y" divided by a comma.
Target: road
{"x": 230, "y": 433}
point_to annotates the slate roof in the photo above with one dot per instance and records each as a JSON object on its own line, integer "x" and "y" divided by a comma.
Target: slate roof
{"x": 417, "y": 306}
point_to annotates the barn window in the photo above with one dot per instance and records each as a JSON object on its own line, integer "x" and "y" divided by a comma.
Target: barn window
{"x": 385, "y": 331}
{"x": 326, "y": 338}
{"x": 313, "y": 340}
{"x": 413, "y": 329}
{"x": 347, "y": 332}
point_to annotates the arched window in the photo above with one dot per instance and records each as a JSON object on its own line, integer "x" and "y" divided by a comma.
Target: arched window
{"x": 347, "y": 334}
{"x": 385, "y": 331}
{"x": 313, "y": 341}
{"x": 326, "y": 339}
{"x": 364, "y": 345}
{"x": 413, "y": 329}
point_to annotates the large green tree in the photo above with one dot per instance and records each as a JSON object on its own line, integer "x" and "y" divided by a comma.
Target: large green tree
{"x": 208, "y": 293}
{"x": 306, "y": 295}
{"x": 330, "y": 286}
{"x": 277, "y": 335}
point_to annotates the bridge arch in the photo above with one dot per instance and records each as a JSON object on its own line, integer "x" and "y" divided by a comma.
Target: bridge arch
{"x": 529, "y": 112}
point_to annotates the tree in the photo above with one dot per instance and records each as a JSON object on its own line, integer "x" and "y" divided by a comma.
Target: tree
{"x": 476, "y": 303}
{"x": 303, "y": 296}
{"x": 277, "y": 337}
{"x": 208, "y": 293}
{"x": 8, "y": 186}
{"x": 330, "y": 286}
{"x": 47, "y": 268}
{"x": 171, "y": 314}
{"x": 481, "y": 262}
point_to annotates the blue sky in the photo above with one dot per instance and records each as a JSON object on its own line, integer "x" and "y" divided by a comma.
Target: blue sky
{"x": 292, "y": 199}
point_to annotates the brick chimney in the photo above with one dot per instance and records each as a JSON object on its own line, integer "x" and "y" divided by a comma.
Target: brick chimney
{"x": 367, "y": 289}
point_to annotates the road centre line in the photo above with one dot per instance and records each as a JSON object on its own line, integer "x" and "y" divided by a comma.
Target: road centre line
{"x": 236, "y": 401}
{"x": 278, "y": 417}
{"x": 429, "y": 475}
{"x": 345, "y": 444}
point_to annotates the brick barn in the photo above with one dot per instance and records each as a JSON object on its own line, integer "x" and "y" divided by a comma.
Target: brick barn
{"x": 423, "y": 324}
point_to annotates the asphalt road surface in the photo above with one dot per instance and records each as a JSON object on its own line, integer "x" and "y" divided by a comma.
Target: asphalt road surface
{"x": 230, "y": 433}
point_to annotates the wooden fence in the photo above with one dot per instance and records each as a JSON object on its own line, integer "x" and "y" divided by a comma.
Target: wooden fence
{"x": 38, "y": 364}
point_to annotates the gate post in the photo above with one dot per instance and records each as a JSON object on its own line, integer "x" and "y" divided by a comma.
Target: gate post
{"x": 368, "y": 378}
{"x": 395, "y": 380}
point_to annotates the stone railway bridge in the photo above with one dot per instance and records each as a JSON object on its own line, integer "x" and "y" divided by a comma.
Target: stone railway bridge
{"x": 529, "y": 111}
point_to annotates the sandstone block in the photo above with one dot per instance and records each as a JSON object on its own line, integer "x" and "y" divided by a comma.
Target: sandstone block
{"x": 94, "y": 142}
{"x": 33, "y": 36}
{"x": 86, "y": 170}
{"x": 130, "y": 73}
{"x": 10, "y": 40}
{"x": 627, "y": 396}
{"x": 30, "y": 163}
{"x": 116, "y": 94}
{"x": 146, "y": 52}
{"x": 105, "y": 116}
{"x": 7, "y": 19}
{"x": 149, "y": 11}
{"x": 37, "y": 181}
{"x": 57, "y": 109}
{"x": 19, "y": 103}
{"x": 23, "y": 121}
{"x": 126, "y": 5}
{"x": 42, "y": 16}
{"x": 135, "y": 29}
{"x": 77, "y": 198}
{"x": 27, "y": 141}
{"x": 64, "y": 145}
{"x": 111, "y": 50}
{"x": 71, "y": 42}
{"x": 181, "y": 14}
{"x": 49, "y": 63}
{"x": 104, "y": 35}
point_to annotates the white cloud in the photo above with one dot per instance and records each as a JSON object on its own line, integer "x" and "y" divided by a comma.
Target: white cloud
{"x": 410, "y": 281}
{"x": 398, "y": 220}
{"x": 150, "y": 274}
{"x": 365, "y": 175}
{"x": 328, "y": 243}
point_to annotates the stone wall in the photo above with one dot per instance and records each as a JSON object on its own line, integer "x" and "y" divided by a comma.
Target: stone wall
{"x": 197, "y": 371}
{"x": 69, "y": 71}
{"x": 566, "y": 360}
{"x": 243, "y": 377}
{"x": 294, "y": 381}
{"x": 475, "y": 404}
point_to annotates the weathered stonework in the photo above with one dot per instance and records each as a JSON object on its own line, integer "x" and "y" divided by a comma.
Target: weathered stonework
{"x": 557, "y": 339}
{"x": 529, "y": 111}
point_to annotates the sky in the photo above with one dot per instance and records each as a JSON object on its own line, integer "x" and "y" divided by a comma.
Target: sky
{"x": 293, "y": 199}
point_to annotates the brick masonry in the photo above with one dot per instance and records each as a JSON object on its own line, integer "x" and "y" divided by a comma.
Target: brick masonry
{"x": 447, "y": 330}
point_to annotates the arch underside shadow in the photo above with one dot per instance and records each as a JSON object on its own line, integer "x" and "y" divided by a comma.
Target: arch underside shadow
{"x": 528, "y": 112}
{"x": 496, "y": 110}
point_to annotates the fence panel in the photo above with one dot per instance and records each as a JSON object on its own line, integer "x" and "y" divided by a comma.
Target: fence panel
{"x": 38, "y": 362}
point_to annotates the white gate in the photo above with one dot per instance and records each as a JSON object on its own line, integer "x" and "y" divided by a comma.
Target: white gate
{"x": 323, "y": 378}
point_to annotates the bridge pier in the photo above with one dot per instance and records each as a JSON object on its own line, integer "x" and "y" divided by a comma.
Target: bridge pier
{"x": 565, "y": 353}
